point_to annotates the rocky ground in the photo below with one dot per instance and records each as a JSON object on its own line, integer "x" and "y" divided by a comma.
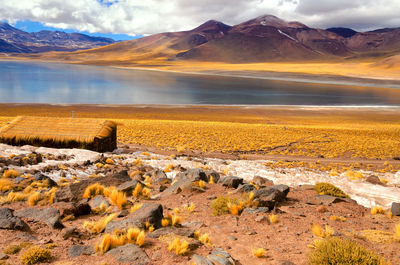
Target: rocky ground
{"x": 44, "y": 203}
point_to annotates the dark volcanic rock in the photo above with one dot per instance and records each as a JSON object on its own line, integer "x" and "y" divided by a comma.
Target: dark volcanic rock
{"x": 74, "y": 191}
{"x": 130, "y": 254}
{"x": 374, "y": 180}
{"x": 41, "y": 177}
{"x": 231, "y": 181}
{"x": 245, "y": 188}
{"x": 78, "y": 250}
{"x": 181, "y": 231}
{"x": 196, "y": 174}
{"x": 214, "y": 174}
{"x": 395, "y": 209}
{"x": 11, "y": 222}
{"x": 267, "y": 197}
{"x": 128, "y": 186}
{"x": 49, "y": 216}
{"x": 149, "y": 212}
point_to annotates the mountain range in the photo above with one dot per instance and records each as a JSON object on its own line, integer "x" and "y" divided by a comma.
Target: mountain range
{"x": 265, "y": 38}
{"x": 13, "y": 40}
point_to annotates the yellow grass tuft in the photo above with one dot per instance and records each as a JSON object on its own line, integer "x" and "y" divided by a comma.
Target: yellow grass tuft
{"x": 118, "y": 198}
{"x": 99, "y": 226}
{"x": 165, "y": 222}
{"x": 180, "y": 247}
{"x": 141, "y": 238}
{"x": 11, "y": 173}
{"x": 260, "y": 253}
{"x": 211, "y": 181}
{"x": 6, "y": 185}
{"x": 205, "y": 239}
{"x": 189, "y": 207}
{"x": 377, "y": 210}
{"x": 146, "y": 193}
{"x": 34, "y": 198}
{"x": 176, "y": 220}
{"x": 324, "y": 188}
{"x": 101, "y": 209}
{"x": 110, "y": 161}
{"x": 93, "y": 190}
{"x": 273, "y": 219}
{"x": 108, "y": 242}
{"x": 136, "y": 207}
{"x": 397, "y": 231}
{"x": 137, "y": 191}
{"x": 319, "y": 232}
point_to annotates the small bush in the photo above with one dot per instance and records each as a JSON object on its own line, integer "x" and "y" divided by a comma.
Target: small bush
{"x": 118, "y": 198}
{"x": 324, "y": 188}
{"x": 34, "y": 198}
{"x": 260, "y": 253}
{"x": 12, "y": 249}
{"x": 180, "y": 247}
{"x": 205, "y": 239}
{"x": 338, "y": 251}
{"x": 11, "y": 173}
{"x": 220, "y": 205}
{"x": 6, "y": 185}
{"x": 99, "y": 226}
{"x": 93, "y": 190}
{"x": 35, "y": 254}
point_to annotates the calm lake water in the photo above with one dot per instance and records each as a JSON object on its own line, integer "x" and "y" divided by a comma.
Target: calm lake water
{"x": 25, "y": 82}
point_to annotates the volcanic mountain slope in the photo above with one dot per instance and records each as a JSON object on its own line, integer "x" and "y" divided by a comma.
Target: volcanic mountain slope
{"x": 17, "y": 41}
{"x": 263, "y": 39}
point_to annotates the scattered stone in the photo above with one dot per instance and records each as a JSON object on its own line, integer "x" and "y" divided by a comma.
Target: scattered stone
{"x": 182, "y": 231}
{"x": 395, "y": 209}
{"x": 159, "y": 176}
{"x": 245, "y": 188}
{"x": 218, "y": 260}
{"x": 68, "y": 232}
{"x": 233, "y": 238}
{"x": 97, "y": 201}
{"x": 130, "y": 254}
{"x": 123, "y": 213}
{"x": 49, "y": 216}
{"x": 214, "y": 174}
{"x": 3, "y": 256}
{"x": 74, "y": 191}
{"x": 78, "y": 250}
{"x": 257, "y": 210}
{"x": 260, "y": 218}
{"x": 231, "y": 181}
{"x": 212, "y": 197}
{"x": 194, "y": 224}
{"x": 41, "y": 177}
{"x": 11, "y": 222}
{"x": 328, "y": 199}
{"x": 196, "y": 174}
{"x": 149, "y": 212}
{"x": 128, "y": 186}
{"x": 322, "y": 209}
{"x": 286, "y": 262}
{"x": 199, "y": 260}
{"x": 374, "y": 180}
{"x": 260, "y": 181}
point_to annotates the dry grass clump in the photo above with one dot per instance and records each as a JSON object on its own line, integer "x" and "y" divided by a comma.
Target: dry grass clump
{"x": 101, "y": 209}
{"x": 140, "y": 192}
{"x": 118, "y": 198}
{"x": 317, "y": 230}
{"x": 397, "y": 231}
{"x": 34, "y": 198}
{"x": 6, "y": 185}
{"x": 221, "y": 205}
{"x": 324, "y": 188}
{"x": 171, "y": 219}
{"x": 136, "y": 207}
{"x": 12, "y": 249}
{"x": 273, "y": 219}
{"x": 377, "y": 236}
{"x": 11, "y": 173}
{"x": 189, "y": 207}
{"x": 338, "y": 251}
{"x": 35, "y": 254}
{"x": 120, "y": 238}
{"x": 338, "y": 218}
{"x": 14, "y": 197}
{"x": 93, "y": 190}
{"x": 260, "y": 253}
{"x": 205, "y": 239}
{"x": 99, "y": 226}
{"x": 181, "y": 247}
{"x": 377, "y": 210}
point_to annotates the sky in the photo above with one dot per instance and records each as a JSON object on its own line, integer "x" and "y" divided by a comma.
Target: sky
{"x": 127, "y": 19}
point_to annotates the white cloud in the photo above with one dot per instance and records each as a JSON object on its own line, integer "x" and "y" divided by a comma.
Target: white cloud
{"x": 151, "y": 16}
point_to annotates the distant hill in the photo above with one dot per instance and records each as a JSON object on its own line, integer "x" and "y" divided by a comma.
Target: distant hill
{"x": 344, "y": 32}
{"x": 13, "y": 40}
{"x": 263, "y": 39}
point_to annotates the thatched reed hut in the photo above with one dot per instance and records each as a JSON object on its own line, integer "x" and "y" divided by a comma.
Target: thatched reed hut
{"x": 93, "y": 134}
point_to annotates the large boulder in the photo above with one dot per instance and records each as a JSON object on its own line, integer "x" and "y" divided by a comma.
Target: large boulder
{"x": 195, "y": 174}
{"x": 49, "y": 216}
{"x": 73, "y": 208}
{"x": 395, "y": 209}
{"x": 128, "y": 186}
{"x": 231, "y": 181}
{"x": 11, "y": 222}
{"x": 214, "y": 174}
{"x": 131, "y": 254}
{"x": 78, "y": 250}
{"x": 74, "y": 191}
{"x": 150, "y": 213}
{"x": 268, "y": 197}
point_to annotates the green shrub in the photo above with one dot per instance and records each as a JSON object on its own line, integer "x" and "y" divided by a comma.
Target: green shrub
{"x": 324, "y": 188}
{"x": 35, "y": 254}
{"x": 338, "y": 251}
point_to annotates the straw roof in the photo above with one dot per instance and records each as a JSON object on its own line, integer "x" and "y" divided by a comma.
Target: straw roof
{"x": 29, "y": 128}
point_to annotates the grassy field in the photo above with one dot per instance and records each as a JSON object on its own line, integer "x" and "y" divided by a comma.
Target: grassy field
{"x": 318, "y": 133}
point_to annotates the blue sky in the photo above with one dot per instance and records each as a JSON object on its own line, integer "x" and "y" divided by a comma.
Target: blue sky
{"x": 30, "y": 26}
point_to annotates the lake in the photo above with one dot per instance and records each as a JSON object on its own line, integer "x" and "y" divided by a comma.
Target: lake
{"x": 27, "y": 82}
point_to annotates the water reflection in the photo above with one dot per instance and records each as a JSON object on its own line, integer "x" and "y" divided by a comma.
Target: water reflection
{"x": 26, "y": 82}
